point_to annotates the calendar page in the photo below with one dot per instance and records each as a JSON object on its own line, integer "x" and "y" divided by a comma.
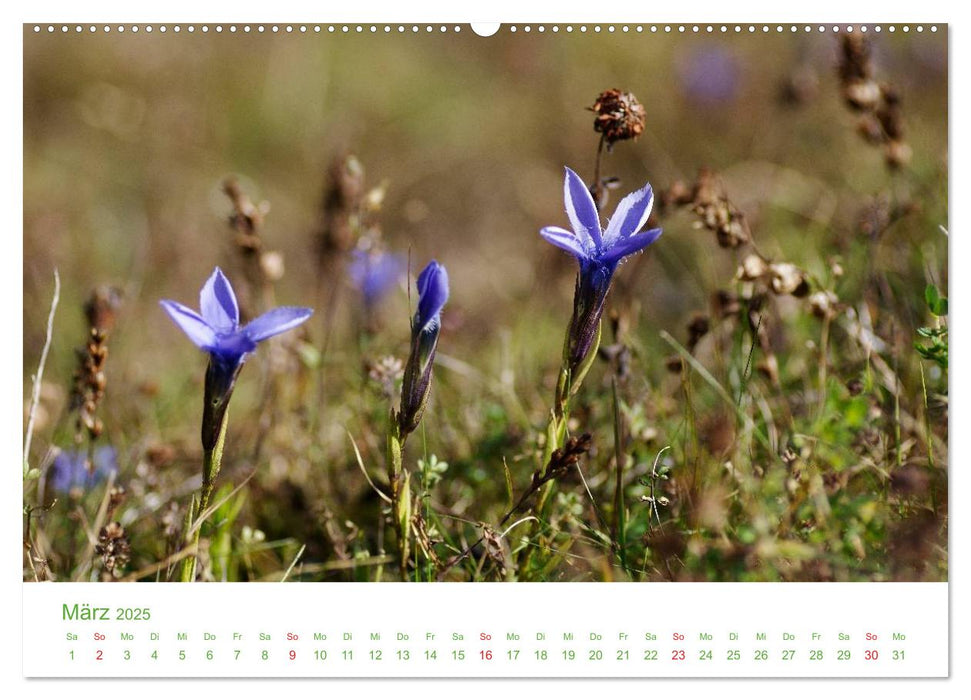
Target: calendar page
{"x": 426, "y": 349}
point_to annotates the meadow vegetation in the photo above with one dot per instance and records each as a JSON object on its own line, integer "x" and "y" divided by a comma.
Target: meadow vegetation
{"x": 760, "y": 393}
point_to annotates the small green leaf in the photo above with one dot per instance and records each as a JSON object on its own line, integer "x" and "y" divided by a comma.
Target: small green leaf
{"x": 935, "y": 302}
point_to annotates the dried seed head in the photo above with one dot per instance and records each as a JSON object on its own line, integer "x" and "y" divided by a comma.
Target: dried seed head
{"x": 619, "y": 116}
{"x": 898, "y": 154}
{"x": 246, "y": 218}
{"x": 717, "y": 213}
{"x": 862, "y": 95}
{"x": 725, "y": 304}
{"x": 116, "y": 497}
{"x": 271, "y": 264}
{"x": 89, "y": 377}
{"x": 342, "y": 203}
{"x": 102, "y": 308}
{"x": 855, "y": 64}
{"x": 881, "y": 123}
{"x": 788, "y": 279}
{"x": 824, "y": 304}
{"x": 113, "y": 547}
{"x": 871, "y": 131}
{"x": 565, "y": 458}
{"x": 753, "y": 267}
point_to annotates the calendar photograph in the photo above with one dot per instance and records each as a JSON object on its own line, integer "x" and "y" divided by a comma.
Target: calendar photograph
{"x": 575, "y": 303}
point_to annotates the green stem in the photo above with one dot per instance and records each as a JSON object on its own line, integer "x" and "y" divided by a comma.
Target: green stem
{"x": 620, "y": 525}
{"x": 211, "y": 463}
{"x": 400, "y": 493}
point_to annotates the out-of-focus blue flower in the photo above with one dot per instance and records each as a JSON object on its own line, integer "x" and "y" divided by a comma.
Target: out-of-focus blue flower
{"x": 710, "y": 74}
{"x": 217, "y": 331}
{"x": 599, "y": 251}
{"x": 375, "y": 273}
{"x": 426, "y": 326}
{"x": 70, "y": 471}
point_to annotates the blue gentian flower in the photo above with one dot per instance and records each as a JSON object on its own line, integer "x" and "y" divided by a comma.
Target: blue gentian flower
{"x": 599, "y": 251}
{"x": 217, "y": 331}
{"x": 375, "y": 273}
{"x": 70, "y": 469}
{"x": 425, "y": 328}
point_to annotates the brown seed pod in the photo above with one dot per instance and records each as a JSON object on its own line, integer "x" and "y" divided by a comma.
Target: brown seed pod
{"x": 788, "y": 279}
{"x": 824, "y": 304}
{"x": 753, "y": 267}
{"x": 619, "y": 116}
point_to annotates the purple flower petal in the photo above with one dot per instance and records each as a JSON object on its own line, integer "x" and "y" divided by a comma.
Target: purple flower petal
{"x": 630, "y": 245}
{"x": 234, "y": 347}
{"x": 432, "y": 294}
{"x": 630, "y": 216}
{"x": 217, "y": 302}
{"x": 582, "y": 211}
{"x": 191, "y": 324}
{"x": 275, "y": 322}
{"x": 564, "y": 239}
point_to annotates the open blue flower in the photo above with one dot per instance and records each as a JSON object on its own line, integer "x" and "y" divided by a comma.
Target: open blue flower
{"x": 599, "y": 251}
{"x": 217, "y": 331}
{"x": 426, "y": 325}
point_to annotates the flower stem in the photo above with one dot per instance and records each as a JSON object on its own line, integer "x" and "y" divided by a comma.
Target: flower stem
{"x": 567, "y": 385}
{"x": 620, "y": 523}
{"x": 211, "y": 463}
{"x": 187, "y": 571}
{"x": 400, "y": 492}
{"x": 597, "y": 189}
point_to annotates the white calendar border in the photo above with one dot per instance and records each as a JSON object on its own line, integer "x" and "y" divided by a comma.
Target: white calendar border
{"x": 508, "y": 10}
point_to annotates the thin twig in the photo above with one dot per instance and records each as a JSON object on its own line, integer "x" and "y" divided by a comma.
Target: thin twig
{"x": 164, "y": 564}
{"x": 286, "y": 574}
{"x": 360, "y": 463}
{"x": 39, "y": 376}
